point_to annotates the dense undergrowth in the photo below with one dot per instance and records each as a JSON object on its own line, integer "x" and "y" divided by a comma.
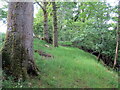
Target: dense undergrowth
{"x": 69, "y": 68}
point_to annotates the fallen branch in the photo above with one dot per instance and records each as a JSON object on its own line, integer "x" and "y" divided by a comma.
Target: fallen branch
{"x": 41, "y": 53}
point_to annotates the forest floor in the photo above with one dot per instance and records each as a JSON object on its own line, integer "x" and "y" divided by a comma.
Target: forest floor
{"x": 68, "y": 68}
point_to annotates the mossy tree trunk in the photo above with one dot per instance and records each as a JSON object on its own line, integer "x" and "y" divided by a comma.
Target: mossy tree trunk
{"x": 17, "y": 53}
{"x": 46, "y": 34}
{"x": 55, "y": 28}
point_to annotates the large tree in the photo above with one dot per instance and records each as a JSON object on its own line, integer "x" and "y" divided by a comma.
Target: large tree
{"x": 17, "y": 53}
{"x": 55, "y": 28}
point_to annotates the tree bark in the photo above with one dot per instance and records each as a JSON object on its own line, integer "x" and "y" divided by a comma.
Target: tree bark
{"x": 46, "y": 34}
{"x": 117, "y": 37}
{"x": 116, "y": 51}
{"x": 17, "y": 53}
{"x": 55, "y": 28}
{"x": 45, "y": 13}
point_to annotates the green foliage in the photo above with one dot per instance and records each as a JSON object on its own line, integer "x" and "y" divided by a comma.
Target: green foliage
{"x": 38, "y": 22}
{"x": 3, "y": 12}
{"x": 84, "y": 24}
{"x": 88, "y": 26}
{"x": 65, "y": 43}
{"x": 2, "y": 38}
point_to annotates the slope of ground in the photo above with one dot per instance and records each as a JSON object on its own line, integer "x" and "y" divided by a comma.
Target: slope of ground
{"x": 69, "y": 68}
{"x": 72, "y": 67}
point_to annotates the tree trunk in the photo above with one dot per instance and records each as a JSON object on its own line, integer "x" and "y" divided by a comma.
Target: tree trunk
{"x": 44, "y": 8}
{"x": 17, "y": 53}
{"x": 116, "y": 51}
{"x": 55, "y": 32}
{"x": 46, "y": 34}
{"x": 117, "y": 37}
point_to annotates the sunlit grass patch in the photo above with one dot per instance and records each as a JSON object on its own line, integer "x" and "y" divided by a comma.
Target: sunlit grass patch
{"x": 72, "y": 67}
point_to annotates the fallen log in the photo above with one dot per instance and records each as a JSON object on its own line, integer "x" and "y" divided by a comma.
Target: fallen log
{"x": 41, "y": 53}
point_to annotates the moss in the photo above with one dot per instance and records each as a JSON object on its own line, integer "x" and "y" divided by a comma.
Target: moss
{"x": 14, "y": 54}
{"x": 18, "y": 56}
{"x": 25, "y": 74}
{"x": 6, "y": 63}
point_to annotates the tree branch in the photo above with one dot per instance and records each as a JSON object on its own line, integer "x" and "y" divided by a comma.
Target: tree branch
{"x": 40, "y": 5}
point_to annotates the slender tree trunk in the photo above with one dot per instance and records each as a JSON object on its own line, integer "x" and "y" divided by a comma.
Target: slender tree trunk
{"x": 116, "y": 51}
{"x": 17, "y": 53}
{"x": 117, "y": 37}
{"x": 46, "y": 31}
{"x": 55, "y": 28}
{"x": 46, "y": 34}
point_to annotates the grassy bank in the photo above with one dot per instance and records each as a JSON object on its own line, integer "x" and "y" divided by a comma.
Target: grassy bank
{"x": 69, "y": 68}
{"x": 72, "y": 67}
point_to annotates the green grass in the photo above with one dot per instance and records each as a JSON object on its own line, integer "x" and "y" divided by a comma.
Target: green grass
{"x": 70, "y": 68}
{"x": 73, "y": 68}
